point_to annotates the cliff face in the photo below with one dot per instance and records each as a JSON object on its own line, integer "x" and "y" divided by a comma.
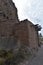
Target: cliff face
{"x": 8, "y": 11}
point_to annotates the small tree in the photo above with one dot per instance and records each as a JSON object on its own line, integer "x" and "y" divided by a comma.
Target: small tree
{"x": 38, "y": 27}
{"x": 40, "y": 35}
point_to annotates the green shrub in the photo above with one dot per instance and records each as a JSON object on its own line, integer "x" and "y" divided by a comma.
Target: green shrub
{"x": 3, "y": 53}
{"x": 10, "y": 58}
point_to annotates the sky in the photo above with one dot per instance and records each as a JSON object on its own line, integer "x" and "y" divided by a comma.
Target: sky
{"x": 31, "y": 10}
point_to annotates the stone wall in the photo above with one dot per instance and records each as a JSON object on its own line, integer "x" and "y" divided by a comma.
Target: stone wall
{"x": 10, "y": 26}
{"x": 10, "y": 43}
{"x": 6, "y": 28}
{"x": 8, "y": 17}
{"x": 8, "y": 11}
{"x": 21, "y": 32}
{"x": 32, "y": 36}
{"x": 27, "y": 34}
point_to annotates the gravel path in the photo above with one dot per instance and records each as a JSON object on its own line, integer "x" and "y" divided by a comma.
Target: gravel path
{"x": 38, "y": 60}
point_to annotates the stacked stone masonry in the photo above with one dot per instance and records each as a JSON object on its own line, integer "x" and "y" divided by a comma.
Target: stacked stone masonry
{"x": 12, "y": 28}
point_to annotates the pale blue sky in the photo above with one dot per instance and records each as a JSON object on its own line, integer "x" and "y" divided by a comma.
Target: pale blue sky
{"x": 31, "y": 9}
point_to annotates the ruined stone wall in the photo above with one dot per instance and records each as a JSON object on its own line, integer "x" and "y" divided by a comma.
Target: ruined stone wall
{"x": 24, "y": 32}
{"x": 27, "y": 34}
{"x": 32, "y": 36}
{"x": 21, "y": 32}
{"x": 6, "y": 28}
{"x": 8, "y": 17}
{"x": 10, "y": 43}
{"x": 8, "y": 11}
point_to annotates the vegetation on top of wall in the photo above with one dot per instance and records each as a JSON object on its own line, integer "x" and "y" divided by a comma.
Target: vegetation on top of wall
{"x": 38, "y": 27}
{"x": 40, "y": 37}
